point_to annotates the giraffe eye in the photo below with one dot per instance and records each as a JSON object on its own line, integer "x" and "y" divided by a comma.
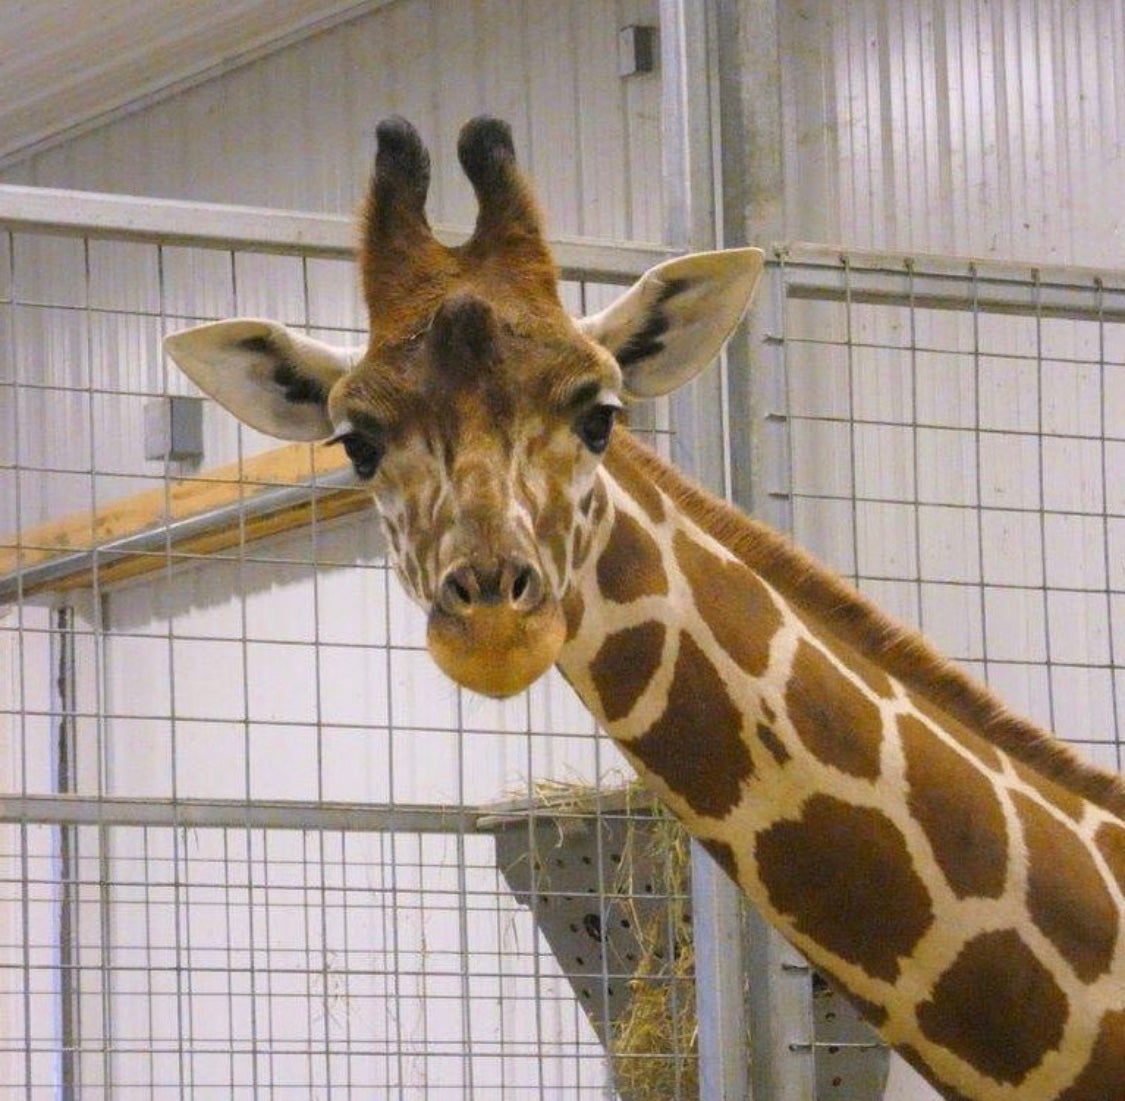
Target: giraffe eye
{"x": 595, "y": 426}
{"x": 365, "y": 453}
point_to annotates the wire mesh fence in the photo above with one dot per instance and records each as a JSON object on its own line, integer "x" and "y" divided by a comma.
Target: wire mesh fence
{"x": 243, "y": 851}
{"x": 954, "y": 436}
{"x": 258, "y": 962}
{"x": 253, "y": 845}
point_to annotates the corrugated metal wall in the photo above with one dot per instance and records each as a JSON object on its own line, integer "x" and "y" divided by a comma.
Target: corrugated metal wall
{"x": 950, "y": 464}
{"x": 980, "y": 127}
{"x": 975, "y": 127}
{"x": 295, "y": 129}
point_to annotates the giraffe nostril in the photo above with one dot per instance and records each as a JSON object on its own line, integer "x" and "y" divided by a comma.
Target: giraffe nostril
{"x": 516, "y": 584}
{"x": 520, "y": 584}
{"x": 525, "y": 588}
{"x": 458, "y": 591}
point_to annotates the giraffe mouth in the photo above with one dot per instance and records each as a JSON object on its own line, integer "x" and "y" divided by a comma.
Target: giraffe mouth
{"x": 498, "y": 650}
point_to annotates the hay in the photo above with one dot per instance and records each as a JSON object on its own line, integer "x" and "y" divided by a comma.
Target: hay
{"x": 653, "y": 1047}
{"x": 654, "y": 1051}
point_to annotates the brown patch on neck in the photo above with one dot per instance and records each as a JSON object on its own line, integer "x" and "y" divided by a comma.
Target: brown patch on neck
{"x": 968, "y": 739}
{"x": 844, "y": 876}
{"x": 733, "y": 603}
{"x": 1104, "y": 1073}
{"x": 1110, "y": 840}
{"x": 836, "y": 722}
{"x": 958, "y": 810}
{"x": 1006, "y": 1032}
{"x": 624, "y": 665}
{"x": 1066, "y": 895}
{"x": 851, "y": 659}
{"x": 1059, "y": 797}
{"x": 696, "y": 746}
{"x": 630, "y": 566}
{"x": 855, "y": 622}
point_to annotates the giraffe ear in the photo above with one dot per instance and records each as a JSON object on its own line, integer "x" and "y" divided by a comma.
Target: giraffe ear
{"x": 675, "y": 319}
{"x": 270, "y": 377}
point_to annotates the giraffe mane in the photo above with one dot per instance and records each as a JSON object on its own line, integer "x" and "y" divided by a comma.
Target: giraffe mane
{"x": 854, "y": 621}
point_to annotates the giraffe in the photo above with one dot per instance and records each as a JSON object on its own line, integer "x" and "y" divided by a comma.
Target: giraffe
{"x": 959, "y": 874}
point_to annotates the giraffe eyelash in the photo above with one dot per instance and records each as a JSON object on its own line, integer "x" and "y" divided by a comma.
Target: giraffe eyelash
{"x": 365, "y": 451}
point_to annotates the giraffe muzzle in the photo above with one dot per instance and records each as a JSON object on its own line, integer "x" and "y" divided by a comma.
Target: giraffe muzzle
{"x": 495, "y": 628}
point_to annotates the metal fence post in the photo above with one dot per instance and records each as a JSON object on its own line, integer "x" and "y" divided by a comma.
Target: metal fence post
{"x": 687, "y": 37}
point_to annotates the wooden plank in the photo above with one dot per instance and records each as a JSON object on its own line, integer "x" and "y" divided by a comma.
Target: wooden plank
{"x": 114, "y": 568}
{"x": 179, "y": 499}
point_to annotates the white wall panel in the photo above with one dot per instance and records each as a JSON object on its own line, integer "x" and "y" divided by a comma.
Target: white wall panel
{"x": 295, "y": 129}
{"x": 66, "y": 64}
{"x": 973, "y": 127}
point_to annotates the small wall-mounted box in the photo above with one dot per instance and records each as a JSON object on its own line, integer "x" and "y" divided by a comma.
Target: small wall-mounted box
{"x": 174, "y": 429}
{"x": 636, "y": 50}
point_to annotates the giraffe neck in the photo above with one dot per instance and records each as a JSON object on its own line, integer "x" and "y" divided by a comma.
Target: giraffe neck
{"x": 954, "y": 872}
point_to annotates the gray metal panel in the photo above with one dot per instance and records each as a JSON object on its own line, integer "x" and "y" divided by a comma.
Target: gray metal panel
{"x": 852, "y": 1063}
{"x": 570, "y": 870}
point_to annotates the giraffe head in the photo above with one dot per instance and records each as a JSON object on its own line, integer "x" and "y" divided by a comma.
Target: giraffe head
{"x": 479, "y": 411}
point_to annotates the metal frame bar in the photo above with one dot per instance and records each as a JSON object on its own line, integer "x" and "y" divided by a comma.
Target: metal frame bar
{"x": 750, "y": 90}
{"x": 780, "y": 1008}
{"x": 211, "y": 225}
{"x": 814, "y": 270}
{"x": 108, "y": 810}
{"x": 941, "y": 283}
{"x": 687, "y": 44}
{"x": 63, "y": 688}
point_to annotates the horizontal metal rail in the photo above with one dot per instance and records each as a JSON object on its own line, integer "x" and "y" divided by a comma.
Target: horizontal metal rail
{"x": 103, "y": 810}
{"x": 815, "y": 272}
{"x": 109, "y": 810}
{"x": 212, "y": 225}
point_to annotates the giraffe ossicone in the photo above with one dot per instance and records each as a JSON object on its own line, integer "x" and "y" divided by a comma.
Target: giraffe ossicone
{"x": 957, "y": 872}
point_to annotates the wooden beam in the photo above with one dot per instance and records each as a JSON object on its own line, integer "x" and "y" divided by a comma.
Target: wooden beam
{"x": 219, "y": 491}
